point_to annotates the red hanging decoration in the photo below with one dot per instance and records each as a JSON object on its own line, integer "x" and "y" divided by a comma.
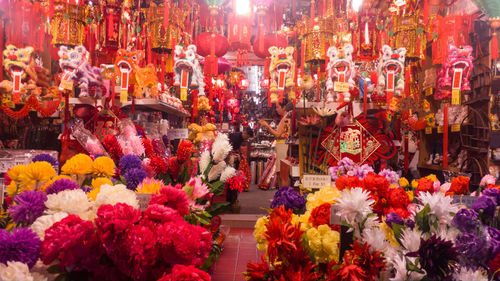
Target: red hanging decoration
{"x": 166, "y": 14}
{"x": 494, "y": 46}
{"x": 426, "y": 11}
{"x": 194, "y": 96}
{"x": 445, "y": 136}
{"x": 32, "y": 103}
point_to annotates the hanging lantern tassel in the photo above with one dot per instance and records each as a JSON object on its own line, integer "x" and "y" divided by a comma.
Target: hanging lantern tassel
{"x": 445, "y": 136}
{"x": 16, "y": 86}
{"x": 124, "y": 78}
{"x": 51, "y": 9}
{"x": 110, "y": 25}
{"x": 166, "y": 14}
{"x": 184, "y": 84}
{"x": 426, "y": 11}
{"x": 494, "y": 41}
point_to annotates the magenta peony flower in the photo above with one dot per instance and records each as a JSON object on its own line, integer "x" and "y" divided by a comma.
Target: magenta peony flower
{"x": 172, "y": 197}
{"x": 186, "y": 273}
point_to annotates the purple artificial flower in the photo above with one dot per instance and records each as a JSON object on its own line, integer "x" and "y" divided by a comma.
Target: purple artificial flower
{"x": 334, "y": 172}
{"x": 410, "y": 223}
{"x": 472, "y": 247}
{"x": 493, "y": 193}
{"x": 494, "y": 240}
{"x": 485, "y": 204}
{"x": 465, "y": 220}
{"x": 134, "y": 177}
{"x": 29, "y": 206}
{"x": 22, "y": 245}
{"x": 130, "y": 161}
{"x": 390, "y": 175}
{"x": 47, "y": 158}
{"x": 288, "y": 197}
{"x": 60, "y": 185}
{"x": 393, "y": 218}
{"x": 360, "y": 171}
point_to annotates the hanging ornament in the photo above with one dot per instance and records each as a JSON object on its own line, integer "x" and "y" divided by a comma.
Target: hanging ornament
{"x": 67, "y": 26}
{"x": 187, "y": 71}
{"x": 164, "y": 37}
{"x": 211, "y": 46}
{"x": 391, "y": 78}
{"x": 453, "y": 77}
{"x": 341, "y": 72}
{"x": 452, "y": 29}
{"x": 282, "y": 71}
{"x": 214, "y": 6}
{"x": 261, "y": 48}
{"x": 21, "y": 26}
{"x": 262, "y": 6}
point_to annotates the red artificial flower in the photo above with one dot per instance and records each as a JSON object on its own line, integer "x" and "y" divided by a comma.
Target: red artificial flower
{"x": 402, "y": 212}
{"x": 459, "y": 185}
{"x": 6, "y": 179}
{"x": 73, "y": 242}
{"x": 424, "y": 185}
{"x": 320, "y": 215}
{"x": 173, "y": 167}
{"x": 148, "y": 147}
{"x": 494, "y": 265}
{"x": 258, "y": 271}
{"x": 347, "y": 272}
{"x": 186, "y": 273}
{"x": 138, "y": 253}
{"x": 376, "y": 184}
{"x": 358, "y": 264}
{"x": 349, "y": 182}
{"x": 398, "y": 198}
{"x": 184, "y": 150}
{"x": 172, "y": 197}
{"x": 182, "y": 243}
{"x": 114, "y": 220}
{"x": 236, "y": 182}
{"x": 112, "y": 146}
{"x": 158, "y": 165}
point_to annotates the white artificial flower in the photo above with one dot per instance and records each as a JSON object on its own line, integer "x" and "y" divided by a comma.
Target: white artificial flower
{"x": 466, "y": 275}
{"x": 447, "y": 233}
{"x": 204, "y": 161}
{"x": 354, "y": 205}
{"x": 410, "y": 239}
{"x": 375, "y": 237}
{"x": 216, "y": 170}
{"x": 73, "y": 201}
{"x": 399, "y": 264}
{"x": 221, "y": 148}
{"x": 227, "y": 173}
{"x": 441, "y": 205}
{"x": 113, "y": 194}
{"x": 15, "y": 271}
{"x": 44, "y": 222}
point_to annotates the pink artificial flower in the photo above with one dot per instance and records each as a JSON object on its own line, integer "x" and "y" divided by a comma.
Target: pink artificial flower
{"x": 487, "y": 180}
{"x": 147, "y": 168}
{"x": 199, "y": 188}
{"x": 445, "y": 187}
{"x": 161, "y": 214}
{"x": 172, "y": 197}
{"x": 437, "y": 186}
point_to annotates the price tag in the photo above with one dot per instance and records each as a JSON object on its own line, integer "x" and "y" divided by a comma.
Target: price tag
{"x": 428, "y": 130}
{"x": 341, "y": 87}
{"x": 455, "y": 96}
{"x": 428, "y": 92}
{"x": 66, "y": 85}
{"x": 123, "y": 96}
{"x": 316, "y": 181}
{"x": 455, "y": 128}
{"x": 440, "y": 129}
{"x": 183, "y": 94}
{"x": 178, "y": 134}
{"x": 143, "y": 199}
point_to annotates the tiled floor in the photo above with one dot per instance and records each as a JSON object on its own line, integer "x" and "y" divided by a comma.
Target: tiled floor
{"x": 239, "y": 249}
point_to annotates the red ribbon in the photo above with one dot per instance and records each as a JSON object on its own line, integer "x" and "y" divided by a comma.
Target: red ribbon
{"x": 445, "y": 136}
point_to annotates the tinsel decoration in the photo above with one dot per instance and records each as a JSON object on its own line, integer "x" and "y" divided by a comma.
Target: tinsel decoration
{"x": 33, "y": 104}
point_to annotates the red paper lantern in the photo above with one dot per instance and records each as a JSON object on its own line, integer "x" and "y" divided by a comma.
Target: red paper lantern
{"x": 261, "y": 45}
{"x": 244, "y": 83}
{"x": 204, "y": 43}
{"x": 264, "y": 83}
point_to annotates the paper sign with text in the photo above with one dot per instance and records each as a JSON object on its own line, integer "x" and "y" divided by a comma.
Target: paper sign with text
{"x": 316, "y": 181}
{"x": 177, "y": 134}
{"x": 465, "y": 200}
{"x": 144, "y": 199}
{"x": 341, "y": 87}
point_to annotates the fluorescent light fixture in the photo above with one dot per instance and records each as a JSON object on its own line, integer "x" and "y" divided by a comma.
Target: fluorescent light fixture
{"x": 356, "y": 4}
{"x": 243, "y": 7}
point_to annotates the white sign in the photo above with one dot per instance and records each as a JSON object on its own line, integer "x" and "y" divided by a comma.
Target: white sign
{"x": 177, "y": 134}
{"x": 316, "y": 181}
{"x": 335, "y": 216}
{"x": 144, "y": 199}
{"x": 464, "y": 200}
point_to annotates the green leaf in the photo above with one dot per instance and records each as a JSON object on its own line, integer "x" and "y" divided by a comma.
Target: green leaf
{"x": 217, "y": 188}
{"x": 398, "y": 229}
{"x": 183, "y": 176}
{"x": 218, "y": 208}
{"x": 422, "y": 219}
{"x": 209, "y": 167}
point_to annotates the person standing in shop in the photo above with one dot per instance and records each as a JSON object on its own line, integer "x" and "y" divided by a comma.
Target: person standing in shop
{"x": 282, "y": 131}
{"x": 236, "y": 139}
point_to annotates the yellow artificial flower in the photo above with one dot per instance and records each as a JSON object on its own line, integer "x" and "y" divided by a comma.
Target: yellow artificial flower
{"x": 304, "y": 221}
{"x": 93, "y": 193}
{"x": 154, "y": 186}
{"x": 103, "y": 166}
{"x": 258, "y": 233}
{"x": 37, "y": 173}
{"x": 403, "y": 182}
{"x": 389, "y": 234}
{"x": 80, "y": 164}
{"x": 324, "y": 243}
{"x": 324, "y": 195}
{"x": 16, "y": 172}
{"x": 51, "y": 181}
{"x": 414, "y": 184}
{"x": 97, "y": 182}
{"x": 410, "y": 195}
{"x": 432, "y": 177}
{"x": 12, "y": 189}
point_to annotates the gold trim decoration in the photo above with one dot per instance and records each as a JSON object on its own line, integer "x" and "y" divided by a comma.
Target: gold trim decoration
{"x": 163, "y": 39}
{"x": 411, "y": 33}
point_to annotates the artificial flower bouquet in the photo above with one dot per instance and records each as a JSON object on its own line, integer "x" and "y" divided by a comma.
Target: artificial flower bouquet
{"x": 400, "y": 231}
{"x": 86, "y": 225}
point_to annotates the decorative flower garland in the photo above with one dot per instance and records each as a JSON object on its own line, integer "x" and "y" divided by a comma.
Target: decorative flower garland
{"x": 32, "y": 103}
